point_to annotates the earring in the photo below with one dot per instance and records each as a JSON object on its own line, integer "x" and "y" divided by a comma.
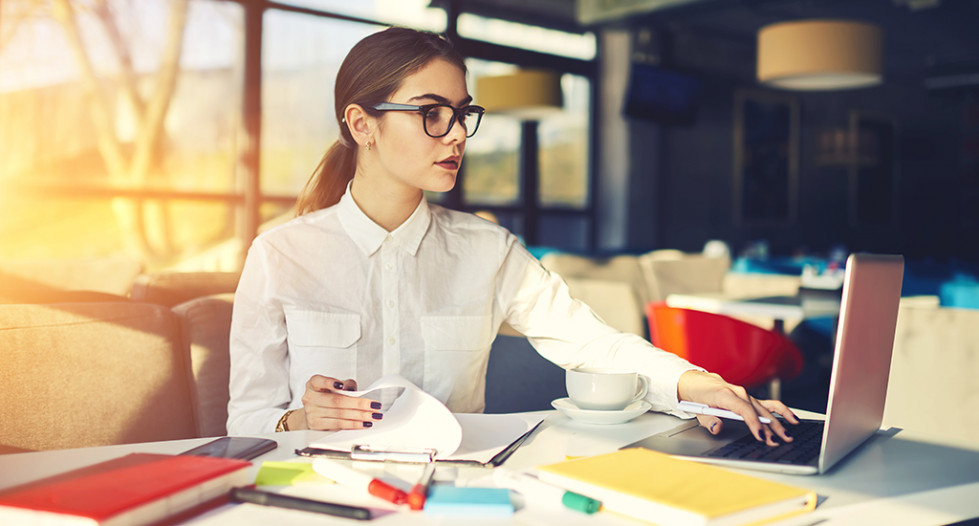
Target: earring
{"x": 368, "y": 145}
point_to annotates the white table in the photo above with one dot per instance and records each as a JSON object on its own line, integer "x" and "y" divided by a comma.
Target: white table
{"x": 896, "y": 478}
{"x": 779, "y": 308}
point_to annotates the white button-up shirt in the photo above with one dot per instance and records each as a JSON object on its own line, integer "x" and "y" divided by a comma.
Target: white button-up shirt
{"x": 333, "y": 293}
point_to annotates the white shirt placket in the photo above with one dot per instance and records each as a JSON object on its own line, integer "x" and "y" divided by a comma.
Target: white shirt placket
{"x": 390, "y": 313}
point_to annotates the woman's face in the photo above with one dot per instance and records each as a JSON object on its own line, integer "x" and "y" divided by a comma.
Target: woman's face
{"x": 404, "y": 153}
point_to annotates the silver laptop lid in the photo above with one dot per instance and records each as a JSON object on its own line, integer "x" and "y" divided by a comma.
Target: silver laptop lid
{"x": 862, "y": 357}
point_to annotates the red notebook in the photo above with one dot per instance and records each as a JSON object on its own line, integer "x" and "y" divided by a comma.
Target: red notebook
{"x": 139, "y": 488}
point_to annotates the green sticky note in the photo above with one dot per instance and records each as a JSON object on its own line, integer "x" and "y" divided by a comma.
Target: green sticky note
{"x": 480, "y": 502}
{"x": 288, "y": 474}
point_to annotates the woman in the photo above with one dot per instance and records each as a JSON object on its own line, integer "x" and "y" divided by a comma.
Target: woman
{"x": 371, "y": 280}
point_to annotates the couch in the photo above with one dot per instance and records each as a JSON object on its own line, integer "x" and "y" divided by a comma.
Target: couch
{"x": 96, "y": 353}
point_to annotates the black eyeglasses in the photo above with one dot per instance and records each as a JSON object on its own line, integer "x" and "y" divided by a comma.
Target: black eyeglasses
{"x": 437, "y": 119}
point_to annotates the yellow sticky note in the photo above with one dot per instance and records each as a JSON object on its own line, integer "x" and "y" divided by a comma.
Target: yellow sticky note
{"x": 273, "y": 473}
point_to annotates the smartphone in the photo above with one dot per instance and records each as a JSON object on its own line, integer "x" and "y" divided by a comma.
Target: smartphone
{"x": 244, "y": 448}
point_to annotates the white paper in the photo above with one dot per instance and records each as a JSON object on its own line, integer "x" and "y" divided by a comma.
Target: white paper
{"x": 417, "y": 420}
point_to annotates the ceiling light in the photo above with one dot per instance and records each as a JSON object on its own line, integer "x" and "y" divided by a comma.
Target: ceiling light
{"x": 820, "y": 55}
{"x": 527, "y": 94}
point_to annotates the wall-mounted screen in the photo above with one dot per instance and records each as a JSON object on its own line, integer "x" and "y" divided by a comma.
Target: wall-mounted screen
{"x": 662, "y": 95}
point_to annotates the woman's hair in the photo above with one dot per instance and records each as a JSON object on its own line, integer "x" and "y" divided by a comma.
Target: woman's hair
{"x": 373, "y": 69}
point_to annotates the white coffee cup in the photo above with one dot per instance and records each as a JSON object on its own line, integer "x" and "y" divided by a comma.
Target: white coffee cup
{"x": 605, "y": 389}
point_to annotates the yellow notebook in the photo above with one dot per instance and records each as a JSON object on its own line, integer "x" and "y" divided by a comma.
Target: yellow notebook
{"x": 660, "y": 489}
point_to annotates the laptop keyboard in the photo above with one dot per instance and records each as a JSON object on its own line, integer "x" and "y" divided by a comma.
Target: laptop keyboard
{"x": 803, "y": 450}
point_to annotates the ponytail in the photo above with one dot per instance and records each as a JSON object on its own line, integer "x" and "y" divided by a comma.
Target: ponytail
{"x": 329, "y": 180}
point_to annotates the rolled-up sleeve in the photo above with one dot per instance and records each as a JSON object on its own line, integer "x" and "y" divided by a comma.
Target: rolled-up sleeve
{"x": 259, "y": 379}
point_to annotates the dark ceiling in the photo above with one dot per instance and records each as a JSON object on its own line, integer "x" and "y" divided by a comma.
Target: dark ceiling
{"x": 936, "y": 39}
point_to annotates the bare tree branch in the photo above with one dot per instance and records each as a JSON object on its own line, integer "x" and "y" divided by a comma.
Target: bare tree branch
{"x": 101, "y": 114}
{"x": 151, "y": 127}
{"x": 127, "y": 73}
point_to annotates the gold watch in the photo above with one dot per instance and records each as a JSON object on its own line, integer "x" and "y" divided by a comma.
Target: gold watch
{"x": 283, "y": 424}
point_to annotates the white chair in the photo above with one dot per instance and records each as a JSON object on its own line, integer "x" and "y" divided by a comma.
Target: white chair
{"x": 932, "y": 387}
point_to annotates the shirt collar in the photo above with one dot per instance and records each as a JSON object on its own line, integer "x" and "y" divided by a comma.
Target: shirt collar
{"x": 369, "y": 236}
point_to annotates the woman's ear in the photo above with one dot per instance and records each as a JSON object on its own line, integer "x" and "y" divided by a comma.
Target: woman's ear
{"x": 360, "y": 124}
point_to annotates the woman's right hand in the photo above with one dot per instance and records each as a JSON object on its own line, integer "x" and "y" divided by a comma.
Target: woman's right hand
{"x": 326, "y": 410}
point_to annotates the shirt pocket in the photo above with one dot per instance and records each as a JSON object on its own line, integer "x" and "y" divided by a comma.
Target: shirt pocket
{"x": 456, "y": 350}
{"x": 322, "y": 343}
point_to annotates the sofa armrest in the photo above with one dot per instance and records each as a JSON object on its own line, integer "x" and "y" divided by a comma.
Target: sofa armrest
{"x": 205, "y": 327}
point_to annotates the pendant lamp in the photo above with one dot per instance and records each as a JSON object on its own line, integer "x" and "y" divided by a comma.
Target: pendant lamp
{"x": 527, "y": 94}
{"x": 820, "y": 55}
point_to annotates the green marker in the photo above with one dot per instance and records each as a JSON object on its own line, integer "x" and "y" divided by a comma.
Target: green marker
{"x": 537, "y": 492}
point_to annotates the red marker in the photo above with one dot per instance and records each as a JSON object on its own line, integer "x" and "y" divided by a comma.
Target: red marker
{"x": 418, "y": 494}
{"x": 352, "y": 478}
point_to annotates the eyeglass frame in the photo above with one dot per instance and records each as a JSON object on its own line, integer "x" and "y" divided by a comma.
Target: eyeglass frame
{"x": 425, "y": 108}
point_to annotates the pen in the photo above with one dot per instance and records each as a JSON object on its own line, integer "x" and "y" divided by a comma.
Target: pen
{"x": 418, "y": 493}
{"x": 350, "y": 477}
{"x": 703, "y": 409}
{"x": 534, "y": 490}
{"x": 278, "y": 500}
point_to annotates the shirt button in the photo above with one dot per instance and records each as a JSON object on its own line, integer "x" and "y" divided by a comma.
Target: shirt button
{"x": 391, "y": 340}
{"x": 390, "y": 304}
{"x": 389, "y": 266}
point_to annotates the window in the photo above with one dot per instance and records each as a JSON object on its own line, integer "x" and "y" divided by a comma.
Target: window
{"x": 522, "y": 36}
{"x": 492, "y": 177}
{"x": 300, "y": 58}
{"x": 104, "y": 147}
{"x": 123, "y": 133}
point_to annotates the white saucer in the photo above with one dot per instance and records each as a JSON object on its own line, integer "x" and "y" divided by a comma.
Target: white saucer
{"x": 595, "y": 416}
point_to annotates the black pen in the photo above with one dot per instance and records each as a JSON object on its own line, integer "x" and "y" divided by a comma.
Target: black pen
{"x": 265, "y": 498}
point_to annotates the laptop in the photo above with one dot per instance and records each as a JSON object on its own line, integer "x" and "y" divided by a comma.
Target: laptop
{"x": 858, "y": 385}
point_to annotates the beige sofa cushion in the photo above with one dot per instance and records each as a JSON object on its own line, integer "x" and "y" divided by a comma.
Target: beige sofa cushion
{"x": 92, "y": 374}
{"x": 206, "y": 327}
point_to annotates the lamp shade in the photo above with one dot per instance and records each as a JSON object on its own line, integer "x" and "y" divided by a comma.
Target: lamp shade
{"x": 820, "y": 55}
{"x": 527, "y": 94}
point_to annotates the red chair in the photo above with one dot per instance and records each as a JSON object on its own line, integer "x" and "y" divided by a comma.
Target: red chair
{"x": 742, "y": 353}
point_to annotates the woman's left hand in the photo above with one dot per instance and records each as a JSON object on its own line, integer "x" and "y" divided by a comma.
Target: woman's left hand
{"x": 711, "y": 389}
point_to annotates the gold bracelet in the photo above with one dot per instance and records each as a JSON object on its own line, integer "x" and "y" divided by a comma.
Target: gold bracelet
{"x": 283, "y": 424}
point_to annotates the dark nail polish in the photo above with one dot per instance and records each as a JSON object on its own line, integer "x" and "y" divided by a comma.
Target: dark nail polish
{"x": 338, "y": 385}
{"x": 377, "y": 416}
{"x": 368, "y": 424}
{"x": 375, "y": 405}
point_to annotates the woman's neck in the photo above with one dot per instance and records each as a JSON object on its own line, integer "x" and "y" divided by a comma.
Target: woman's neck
{"x": 386, "y": 205}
